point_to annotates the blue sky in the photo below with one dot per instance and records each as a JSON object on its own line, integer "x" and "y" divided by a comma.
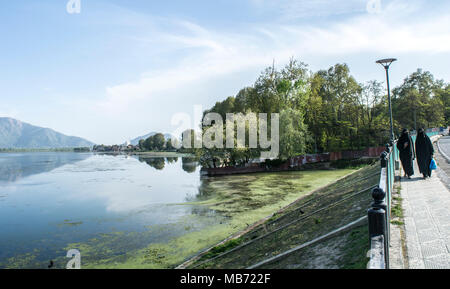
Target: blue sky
{"x": 120, "y": 69}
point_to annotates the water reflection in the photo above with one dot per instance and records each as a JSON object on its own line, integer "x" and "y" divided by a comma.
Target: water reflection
{"x": 16, "y": 166}
{"x": 157, "y": 163}
{"x": 118, "y": 183}
{"x": 172, "y": 160}
{"x": 188, "y": 164}
{"x": 42, "y": 196}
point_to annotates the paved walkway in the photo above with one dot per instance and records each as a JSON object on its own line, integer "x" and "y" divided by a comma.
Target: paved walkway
{"x": 426, "y": 206}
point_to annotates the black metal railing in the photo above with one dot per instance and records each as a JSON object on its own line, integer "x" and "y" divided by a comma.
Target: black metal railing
{"x": 379, "y": 214}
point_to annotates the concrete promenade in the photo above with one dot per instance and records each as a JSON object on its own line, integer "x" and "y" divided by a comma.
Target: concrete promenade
{"x": 426, "y": 205}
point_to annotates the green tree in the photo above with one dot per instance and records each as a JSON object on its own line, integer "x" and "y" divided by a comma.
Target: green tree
{"x": 338, "y": 93}
{"x": 294, "y": 134}
{"x": 315, "y": 115}
{"x": 169, "y": 145}
{"x": 148, "y": 144}
{"x": 159, "y": 141}
{"x": 444, "y": 95}
{"x": 416, "y": 104}
{"x": 370, "y": 99}
{"x": 141, "y": 144}
{"x": 330, "y": 111}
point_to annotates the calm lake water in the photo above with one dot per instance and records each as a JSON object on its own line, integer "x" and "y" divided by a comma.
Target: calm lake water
{"x": 129, "y": 211}
{"x": 50, "y": 200}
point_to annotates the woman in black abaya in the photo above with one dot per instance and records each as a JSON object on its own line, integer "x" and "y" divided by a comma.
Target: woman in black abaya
{"x": 424, "y": 153}
{"x": 406, "y": 149}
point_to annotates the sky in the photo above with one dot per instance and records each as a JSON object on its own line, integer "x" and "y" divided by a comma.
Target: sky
{"x": 122, "y": 68}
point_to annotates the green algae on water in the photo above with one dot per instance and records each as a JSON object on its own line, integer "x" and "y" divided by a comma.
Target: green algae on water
{"x": 242, "y": 200}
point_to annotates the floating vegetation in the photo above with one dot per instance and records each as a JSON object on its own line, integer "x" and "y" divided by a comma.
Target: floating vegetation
{"x": 71, "y": 223}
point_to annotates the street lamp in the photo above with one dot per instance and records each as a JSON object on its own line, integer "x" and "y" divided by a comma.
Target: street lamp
{"x": 386, "y": 63}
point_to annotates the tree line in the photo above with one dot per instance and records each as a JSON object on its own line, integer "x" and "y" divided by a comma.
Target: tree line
{"x": 156, "y": 142}
{"x": 329, "y": 110}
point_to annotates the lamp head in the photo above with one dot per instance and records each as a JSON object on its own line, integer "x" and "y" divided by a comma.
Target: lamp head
{"x": 386, "y": 62}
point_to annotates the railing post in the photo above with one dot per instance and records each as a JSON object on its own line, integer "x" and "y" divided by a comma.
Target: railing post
{"x": 383, "y": 159}
{"x": 377, "y": 216}
{"x": 378, "y": 213}
{"x": 377, "y": 224}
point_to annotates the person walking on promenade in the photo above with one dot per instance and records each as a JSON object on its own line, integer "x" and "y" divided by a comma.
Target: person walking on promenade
{"x": 424, "y": 153}
{"x": 407, "y": 154}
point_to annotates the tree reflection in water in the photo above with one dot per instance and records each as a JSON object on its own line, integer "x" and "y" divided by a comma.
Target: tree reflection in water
{"x": 172, "y": 160}
{"x": 189, "y": 164}
{"x": 157, "y": 163}
{"x": 16, "y": 166}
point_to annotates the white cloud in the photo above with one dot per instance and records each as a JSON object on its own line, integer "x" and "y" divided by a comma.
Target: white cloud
{"x": 214, "y": 53}
{"x": 290, "y": 10}
{"x": 150, "y": 66}
{"x": 203, "y": 64}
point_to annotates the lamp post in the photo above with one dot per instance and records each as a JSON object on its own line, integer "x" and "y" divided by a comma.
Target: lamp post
{"x": 386, "y": 63}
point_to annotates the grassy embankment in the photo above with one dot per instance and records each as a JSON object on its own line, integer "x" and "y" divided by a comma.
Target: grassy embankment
{"x": 310, "y": 217}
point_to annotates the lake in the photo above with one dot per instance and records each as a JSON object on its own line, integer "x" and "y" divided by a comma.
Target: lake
{"x": 129, "y": 211}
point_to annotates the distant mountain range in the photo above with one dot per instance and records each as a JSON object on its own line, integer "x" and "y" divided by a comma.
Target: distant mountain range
{"x": 15, "y": 134}
{"x": 144, "y": 137}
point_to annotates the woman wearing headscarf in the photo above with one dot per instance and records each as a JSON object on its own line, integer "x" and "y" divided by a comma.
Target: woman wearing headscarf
{"x": 406, "y": 149}
{"x": 424, "y": 153}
